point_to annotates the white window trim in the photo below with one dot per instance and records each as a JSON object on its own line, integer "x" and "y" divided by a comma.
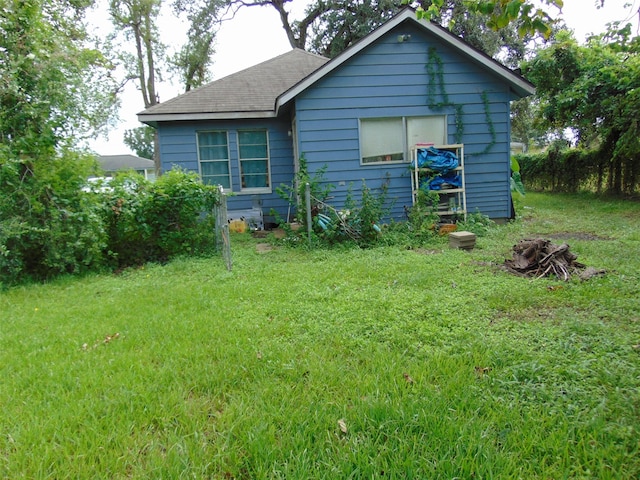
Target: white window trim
{"x": 405, "y": 152}
{"x": 226, "y": 132}
{"x": 254, "y": 190}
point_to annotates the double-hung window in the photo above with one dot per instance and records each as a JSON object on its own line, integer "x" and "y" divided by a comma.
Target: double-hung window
{"x": 388, "y": 139}
{"x": 213, "y": 155}
{"x": 253, "y": 154}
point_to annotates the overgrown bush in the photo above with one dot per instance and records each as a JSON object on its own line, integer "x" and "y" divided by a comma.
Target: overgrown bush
{"x": 295, "y": 193}
{"x": 148, "y": 221}
{"x": 52, "y": 224}
{"x": 48, "y": 225}
{"x": 358, "y": 222}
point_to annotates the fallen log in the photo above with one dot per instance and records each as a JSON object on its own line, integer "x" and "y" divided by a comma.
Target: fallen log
{"x": 540, "y": 258}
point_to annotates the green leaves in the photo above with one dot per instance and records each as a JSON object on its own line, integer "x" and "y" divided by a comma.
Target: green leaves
{"x": 55, "y": 87}
{"x": 589, "y": 89}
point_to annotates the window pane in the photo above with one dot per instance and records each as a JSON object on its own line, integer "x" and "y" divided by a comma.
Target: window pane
{"x": 254, "y": 166}
{"x": 212, "y": 138}
{"x": 215, "y": 168}
{"x": 381, "y": 139}
{"x": 253, "y": 137}
{"x": 426, "y": 130}
{"x": 253, "y": 151}
{"x": 255, "y": 181}
{"x": 213, "y": 153}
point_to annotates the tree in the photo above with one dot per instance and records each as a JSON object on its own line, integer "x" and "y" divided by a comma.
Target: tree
{"x": 330, "y": 26}
{"x": 141, "y": 141}
{"x": 138, "y": 20}
{"x": 195, "y": 57}
{"x": 530, "y": 17}
{"x": 55, "y": 89}
{"x": 340, "y": 23}
{"x": 593, "y": 90}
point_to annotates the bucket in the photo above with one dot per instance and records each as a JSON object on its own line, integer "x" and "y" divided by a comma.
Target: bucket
{"x": 237, "y": 226}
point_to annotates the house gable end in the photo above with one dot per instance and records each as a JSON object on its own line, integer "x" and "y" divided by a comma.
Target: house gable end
{"x": 519, "y": 85}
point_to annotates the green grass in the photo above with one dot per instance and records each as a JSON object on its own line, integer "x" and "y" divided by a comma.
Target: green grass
{"x": 246, "y": 374}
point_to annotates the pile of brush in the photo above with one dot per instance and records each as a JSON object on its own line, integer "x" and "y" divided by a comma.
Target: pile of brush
{"x": 540, "y": 258}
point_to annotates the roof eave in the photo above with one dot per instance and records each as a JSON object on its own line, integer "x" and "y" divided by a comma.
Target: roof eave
{"x": 182, "y": 117}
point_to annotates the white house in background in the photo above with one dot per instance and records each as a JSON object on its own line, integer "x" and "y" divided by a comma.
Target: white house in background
{"x": 111, "y": 164}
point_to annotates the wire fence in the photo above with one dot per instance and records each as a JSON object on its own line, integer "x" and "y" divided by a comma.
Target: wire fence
{"x": 223, "y": 243}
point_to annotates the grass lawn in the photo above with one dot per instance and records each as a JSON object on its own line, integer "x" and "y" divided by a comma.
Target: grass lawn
{"x": 379, "y": 363}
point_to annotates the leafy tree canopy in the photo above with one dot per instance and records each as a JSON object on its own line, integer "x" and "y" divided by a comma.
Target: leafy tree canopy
{"x": 529, "y": 16}
{"x": 594, "y": 90}
{"x": 141, "y": 141}
{"x": 55, "y": 87}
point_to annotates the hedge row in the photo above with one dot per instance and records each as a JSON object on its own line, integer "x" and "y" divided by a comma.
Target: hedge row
{"x": 562, "y": 169}
{"x": 52, "y": 223}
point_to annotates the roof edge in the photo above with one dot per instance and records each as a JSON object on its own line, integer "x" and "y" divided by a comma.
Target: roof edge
{"x": 150, "y": 118}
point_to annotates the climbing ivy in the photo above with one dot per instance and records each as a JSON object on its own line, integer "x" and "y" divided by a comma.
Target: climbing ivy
{"x": 436, "y": 86}
{"x": 459, "y": 123}
{"x": 487, "y": 116}
{"x": 435, "y": 71}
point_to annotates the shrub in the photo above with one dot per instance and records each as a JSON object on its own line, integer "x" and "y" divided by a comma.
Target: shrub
{"x": 156, "y": 221}
{"x": 48, "y": 225}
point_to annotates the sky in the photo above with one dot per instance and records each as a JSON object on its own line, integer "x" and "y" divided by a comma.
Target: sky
{"x": 256, "y": 35}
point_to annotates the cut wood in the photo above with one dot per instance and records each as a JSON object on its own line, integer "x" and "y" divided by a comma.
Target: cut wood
{"x": 540, "y": 258}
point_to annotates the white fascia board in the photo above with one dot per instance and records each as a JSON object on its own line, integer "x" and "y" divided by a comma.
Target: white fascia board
{"x": 185, "y": 117}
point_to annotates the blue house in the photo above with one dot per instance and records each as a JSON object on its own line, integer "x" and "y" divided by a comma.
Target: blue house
{"x": 409, "y": 81}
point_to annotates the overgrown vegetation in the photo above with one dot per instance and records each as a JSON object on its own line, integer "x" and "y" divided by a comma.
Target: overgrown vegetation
{"x": 591, "y": 90}
{"x": 155, "y": 221}
{"x": 51, "y": 224}
{"x": 363, "y": 363}
{"x": 564, "y": 169}
{"x": 48, "y": 226}
{"x": 359, "y": 222}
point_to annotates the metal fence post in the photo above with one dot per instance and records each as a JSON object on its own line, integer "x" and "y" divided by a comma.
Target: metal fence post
{"x": 223, "y": 242}
{"x": 307, "y": 198}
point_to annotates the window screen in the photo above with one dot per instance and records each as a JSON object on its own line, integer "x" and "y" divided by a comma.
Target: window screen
{"x": 213, "y": 152}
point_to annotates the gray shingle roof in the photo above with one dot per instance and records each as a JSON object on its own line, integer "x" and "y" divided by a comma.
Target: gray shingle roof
{"x": 250, "y": 92}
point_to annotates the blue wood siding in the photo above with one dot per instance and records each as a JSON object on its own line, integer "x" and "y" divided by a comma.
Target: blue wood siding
{"x": 390, "y": 79}
{"x": 179, "y": 148}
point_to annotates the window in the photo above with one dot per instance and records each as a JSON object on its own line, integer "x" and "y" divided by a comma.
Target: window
{"x": 381, "y": 140}
{"x": 427, "y": 130}
{"x": 213, "y": 153}
{"x": 387, "y": 139}
{"x": 253, "y": 153}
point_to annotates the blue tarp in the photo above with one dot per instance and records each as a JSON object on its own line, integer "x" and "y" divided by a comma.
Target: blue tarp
{"x": 437, "y": 160}
{"x": 448, "y": 179}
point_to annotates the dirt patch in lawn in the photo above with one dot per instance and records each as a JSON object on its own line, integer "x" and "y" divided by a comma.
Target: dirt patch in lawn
{"x": 577, "y": 236}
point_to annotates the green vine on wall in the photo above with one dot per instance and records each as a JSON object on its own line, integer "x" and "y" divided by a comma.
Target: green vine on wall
{"x": 487, "y": 116}
{"x": 435, "y": 72}
{"x": 459, "y": 123}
